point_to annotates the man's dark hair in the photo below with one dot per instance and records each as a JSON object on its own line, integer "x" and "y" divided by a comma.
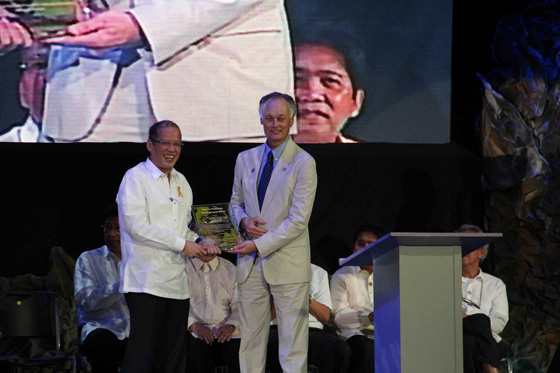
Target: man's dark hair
{"x": 153, "y": 133}
{"x": 111, "y": 211}
{"x": 274, "y": 96}
{"x": 343, "y": 39}
{"x": 375, "y": 229}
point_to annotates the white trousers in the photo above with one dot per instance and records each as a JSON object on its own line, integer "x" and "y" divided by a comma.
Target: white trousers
{"x": 291, "y": 302}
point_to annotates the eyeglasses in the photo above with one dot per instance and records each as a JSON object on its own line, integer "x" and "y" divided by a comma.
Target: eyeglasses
{"x": 471, "y": 303}
{"x": 166, "y": 144}
{"x": 108, "y": 227}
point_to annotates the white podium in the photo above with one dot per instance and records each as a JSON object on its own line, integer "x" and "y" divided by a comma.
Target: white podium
{"x": 417, "y": 299}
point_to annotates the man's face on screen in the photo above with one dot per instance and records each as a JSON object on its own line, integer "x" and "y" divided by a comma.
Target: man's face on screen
{"x": 324, "y": 93}
{"x": 165, "y": 152}
{"x": 277, "y": 120}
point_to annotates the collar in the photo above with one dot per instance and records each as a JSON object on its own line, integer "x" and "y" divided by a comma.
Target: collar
{"x": 197, "y": 263}
{"x": 156, "y": 172}
{"x": 341, "y": 139}
{"x": 363, "y": 273}
{"x": 108, "y": 253}
{"x": 477, "y": 277}
{"x": 276, "y": 152}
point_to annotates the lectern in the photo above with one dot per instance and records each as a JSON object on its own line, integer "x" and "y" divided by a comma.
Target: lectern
{"x": 417, "y": 299}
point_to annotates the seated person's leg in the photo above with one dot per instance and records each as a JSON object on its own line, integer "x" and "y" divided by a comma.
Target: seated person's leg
{"x": 200, "y": 355}
{"x": 469, "y": 352}
{"x": 363, "y": 357}
{"x": 103, "y": 350}
{"x": 484, "y": 347}
{"x": 229, "y": 354}
{"x": 328, "y": 352}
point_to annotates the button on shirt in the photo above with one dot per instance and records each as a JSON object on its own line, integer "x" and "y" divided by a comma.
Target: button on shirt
{"x": 96, "y": 290}
{"x": 352, "y": 299}
{"x": 213, "y": 289}
{"x": 154, "y": 214}
{"x": 489, "y": 293}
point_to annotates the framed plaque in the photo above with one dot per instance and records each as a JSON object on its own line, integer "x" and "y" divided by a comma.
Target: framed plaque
{"x": 47, "y": 18}
{"x": 213, "y": 223}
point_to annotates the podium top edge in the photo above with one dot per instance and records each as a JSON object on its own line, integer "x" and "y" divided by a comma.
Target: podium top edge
{"x": 429, "y": 234}
{"x": 467, "y": 241}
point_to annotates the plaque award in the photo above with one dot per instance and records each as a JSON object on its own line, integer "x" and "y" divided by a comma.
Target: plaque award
{"x": 213, "y": 223}
{"x": 47, "y": 18}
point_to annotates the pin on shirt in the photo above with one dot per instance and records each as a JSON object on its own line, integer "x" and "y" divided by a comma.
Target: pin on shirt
{"x": 179, "y": 192}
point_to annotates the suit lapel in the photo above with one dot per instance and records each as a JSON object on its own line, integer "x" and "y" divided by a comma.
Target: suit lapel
{"x": 255, "y": 164}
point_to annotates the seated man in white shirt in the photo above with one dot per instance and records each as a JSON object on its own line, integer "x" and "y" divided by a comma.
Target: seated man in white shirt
{"x": 331, "y": 354}
{"x": 102, "y": 311}
{"x": 213, "y": 315}
{"x": 352, "y": 298}
{"x": 485, "y": 311}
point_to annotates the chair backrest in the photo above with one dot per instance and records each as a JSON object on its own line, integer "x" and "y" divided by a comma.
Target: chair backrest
{"x": 29, "y": 313}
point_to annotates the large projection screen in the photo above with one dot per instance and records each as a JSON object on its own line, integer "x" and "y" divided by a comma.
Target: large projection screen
{"x": 206, "y": 66}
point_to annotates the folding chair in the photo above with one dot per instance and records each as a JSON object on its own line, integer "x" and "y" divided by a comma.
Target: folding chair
{"x": 30, "y": 325}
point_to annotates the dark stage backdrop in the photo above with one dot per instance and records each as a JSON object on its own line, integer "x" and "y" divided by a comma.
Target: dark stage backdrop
{"x": 55, "y": 194}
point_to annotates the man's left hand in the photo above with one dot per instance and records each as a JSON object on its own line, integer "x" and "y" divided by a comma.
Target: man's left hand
{"x": 245, "y": 248}
{"x": 105, "y": 30}
{"x": 224, "y": 333}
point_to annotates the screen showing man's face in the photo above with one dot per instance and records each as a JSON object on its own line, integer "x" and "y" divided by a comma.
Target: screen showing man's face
{"x": 324, "y": 93}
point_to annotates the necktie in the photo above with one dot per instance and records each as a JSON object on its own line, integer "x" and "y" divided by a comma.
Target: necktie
{"x": 265, "y": 178}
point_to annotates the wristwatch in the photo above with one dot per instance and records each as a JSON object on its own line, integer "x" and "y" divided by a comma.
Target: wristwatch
{"x": 311, "y": 298}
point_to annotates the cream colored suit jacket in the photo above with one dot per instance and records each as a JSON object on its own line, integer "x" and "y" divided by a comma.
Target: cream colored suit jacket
{"x": 209, "y": 63}
{"x": 286, "y": 210}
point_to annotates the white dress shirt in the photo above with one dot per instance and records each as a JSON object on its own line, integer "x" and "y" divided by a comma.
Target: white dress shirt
{"x": 319, "y": 290}
{"x": 213, "y": 289}
{"x": 154, "y": 215}
{"x": 352, "y": 298}
{"x": 489, "y": 294}
{"x": 96, "y": 290}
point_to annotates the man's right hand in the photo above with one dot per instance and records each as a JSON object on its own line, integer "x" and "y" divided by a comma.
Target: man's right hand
{"x": 13, "y": 35}
{"x": 192, "y": 250}
{"x": 202, "y": 332}
{"x": 250, "y": 225}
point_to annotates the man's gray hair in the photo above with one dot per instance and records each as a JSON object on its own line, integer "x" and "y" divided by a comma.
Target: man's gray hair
{"x": 476, "y": 229}
{"x": 274, "y": 96}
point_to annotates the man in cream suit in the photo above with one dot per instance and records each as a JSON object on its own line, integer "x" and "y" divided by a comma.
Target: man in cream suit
{"x": 273, "y": 194}
{"x": 136, "y": 62}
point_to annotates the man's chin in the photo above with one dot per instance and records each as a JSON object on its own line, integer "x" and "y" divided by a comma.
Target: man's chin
{"x": 316, "y": 125}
